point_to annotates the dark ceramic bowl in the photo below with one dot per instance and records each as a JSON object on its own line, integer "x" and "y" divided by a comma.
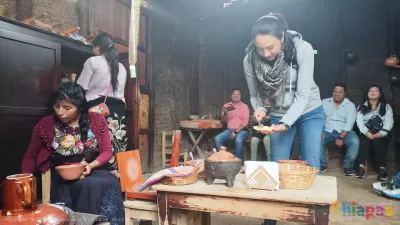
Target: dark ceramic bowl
{"x": 225, "y": 170}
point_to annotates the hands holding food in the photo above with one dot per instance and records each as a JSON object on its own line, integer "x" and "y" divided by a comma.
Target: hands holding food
{"x": 270, "y": 129}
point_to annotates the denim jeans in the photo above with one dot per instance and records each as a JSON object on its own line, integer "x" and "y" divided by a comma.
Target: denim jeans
{"x": 310, "y": 126}
{"x": 396, "y": 179}
{"x": 352, "y": 143}
{"x": 221, "y": 138}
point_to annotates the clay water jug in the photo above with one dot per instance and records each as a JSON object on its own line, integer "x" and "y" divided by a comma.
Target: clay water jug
{"x": 20, "y": 204}
{"x": 19, "y": 194}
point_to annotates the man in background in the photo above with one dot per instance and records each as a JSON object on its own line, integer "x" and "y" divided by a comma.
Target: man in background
{"x": 340, "y": 116}
{"x": 236, "y": 116}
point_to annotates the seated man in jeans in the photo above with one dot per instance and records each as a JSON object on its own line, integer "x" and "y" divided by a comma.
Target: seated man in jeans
{"x": 236, "y": 115}
{"x": 340, "y": 116}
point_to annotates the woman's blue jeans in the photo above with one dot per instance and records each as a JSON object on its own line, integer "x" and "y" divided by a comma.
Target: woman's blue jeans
{"x": 310, "y": 127}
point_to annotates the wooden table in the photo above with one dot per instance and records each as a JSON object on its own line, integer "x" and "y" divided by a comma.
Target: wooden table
{"x": 207, "y": 132}
{"x": 309, "y": 206}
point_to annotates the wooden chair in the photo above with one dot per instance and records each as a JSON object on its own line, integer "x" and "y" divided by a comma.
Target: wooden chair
{"x": 138, "y": 206}
{"x": 46, "y": 184}
{"x": 166, "y": 149}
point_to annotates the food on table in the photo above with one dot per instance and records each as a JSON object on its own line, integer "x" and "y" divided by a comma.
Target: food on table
{"x": 223, "y": 155}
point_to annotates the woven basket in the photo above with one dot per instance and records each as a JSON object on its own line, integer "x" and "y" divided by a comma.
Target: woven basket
{"x": 295, "y": 176}
{"x": 181, "y": 180}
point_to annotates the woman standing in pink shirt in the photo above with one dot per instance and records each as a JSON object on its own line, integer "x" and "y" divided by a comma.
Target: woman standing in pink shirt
{"x": 236, "y": 116}
{"x": 103, "y": 76}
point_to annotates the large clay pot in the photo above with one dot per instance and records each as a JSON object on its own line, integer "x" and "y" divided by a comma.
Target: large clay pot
{"x": 392, "y": 61}
{"x": 20, "y": 204}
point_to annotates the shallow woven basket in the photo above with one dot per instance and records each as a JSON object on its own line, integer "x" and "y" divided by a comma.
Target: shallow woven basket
{"x": 181, "y": 180}
{"x": 295, "y": 176}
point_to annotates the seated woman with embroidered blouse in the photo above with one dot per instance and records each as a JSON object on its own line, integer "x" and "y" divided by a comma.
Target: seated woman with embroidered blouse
{"x": 73, "y": 135}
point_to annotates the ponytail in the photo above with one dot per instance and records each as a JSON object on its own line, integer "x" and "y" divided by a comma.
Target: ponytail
{"x": 106, "y": 46}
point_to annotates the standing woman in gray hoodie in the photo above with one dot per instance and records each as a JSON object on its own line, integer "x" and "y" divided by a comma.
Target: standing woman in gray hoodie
{"x": 279, "y": 69}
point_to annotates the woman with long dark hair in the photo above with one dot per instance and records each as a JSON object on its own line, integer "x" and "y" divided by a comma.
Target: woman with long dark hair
{"x": 375, "y": 108}
{"x": 279, "y": 69}
{"x": 72, "y": 135}
{"x": 103, "y": 76}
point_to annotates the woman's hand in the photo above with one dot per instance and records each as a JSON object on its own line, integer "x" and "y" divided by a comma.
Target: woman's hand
{"x": 233, "y": 135}
{"x": 274, "y": 129}
{"x": 370, "y": 135}
{"x": 87, "y": 170}
{"x": 115, "y": 173}
{"x": 259, "y": 115}
{"x": 377, "y": 135}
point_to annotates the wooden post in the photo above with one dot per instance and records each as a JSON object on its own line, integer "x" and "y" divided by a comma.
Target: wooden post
{"x": 24, "y": 9}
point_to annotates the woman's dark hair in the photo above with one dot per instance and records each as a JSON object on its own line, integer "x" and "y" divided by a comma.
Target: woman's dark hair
{"x": 275, "y": 24}
{"x": 381, "y": 102}
{"x": 106, "y": 45}
{"x": 74, "y": 94}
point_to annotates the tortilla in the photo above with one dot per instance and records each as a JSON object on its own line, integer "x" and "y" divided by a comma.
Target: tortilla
{"x": 261, "y": 128}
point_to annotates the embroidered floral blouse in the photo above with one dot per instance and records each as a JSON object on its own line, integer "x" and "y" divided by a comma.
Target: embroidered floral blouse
{"x": 41, "y": 149}
{"x": 68, "y": 147}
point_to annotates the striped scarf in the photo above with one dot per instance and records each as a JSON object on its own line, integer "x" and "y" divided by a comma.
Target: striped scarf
{"x": 271, "y": 78}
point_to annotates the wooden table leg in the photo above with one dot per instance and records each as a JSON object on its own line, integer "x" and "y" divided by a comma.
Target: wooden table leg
{"x": 200, "y": 218}
{"x": 181, "y": 216}
{"x": 321, "y": 215}
{"x": 196, "y": 142}
{"x": 164, "y": 212}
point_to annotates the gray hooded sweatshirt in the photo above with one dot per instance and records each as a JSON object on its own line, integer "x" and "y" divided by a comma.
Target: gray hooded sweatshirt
{"x": 301, "y": 93}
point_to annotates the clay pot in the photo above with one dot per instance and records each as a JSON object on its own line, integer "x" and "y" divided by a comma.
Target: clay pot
{"x": 43, "y": 215}
{"x": 222, "y": 155}
{"x": 392, "y": 61}
{"x": 226, "y": 170}
{"x": 222, "y": 165}
{"x": 298, "y": 162}
{"x": 19, "y": 194}
{"x": 20, "y": 204}
{"x": 70, "y": 172}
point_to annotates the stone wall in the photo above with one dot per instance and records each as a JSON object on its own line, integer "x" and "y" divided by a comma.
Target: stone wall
{"x": 174, "y": 52}
{"x": 10, "y": 7}
{"x": 58, "y": 11}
